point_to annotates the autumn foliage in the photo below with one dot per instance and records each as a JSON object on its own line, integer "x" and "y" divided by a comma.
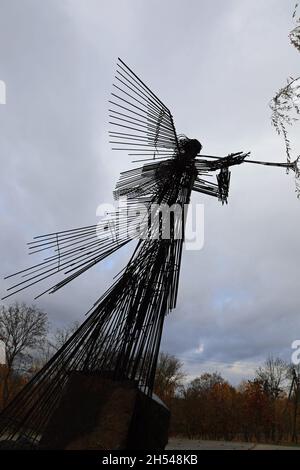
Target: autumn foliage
{"x": 209, "y": 407}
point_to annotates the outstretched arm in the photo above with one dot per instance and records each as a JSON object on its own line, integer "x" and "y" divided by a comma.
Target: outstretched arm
{"x": 215, "y": 163}
{"x": 221, "y": 188}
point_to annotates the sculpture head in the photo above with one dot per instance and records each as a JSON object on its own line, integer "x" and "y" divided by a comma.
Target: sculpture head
{"x": 194, "y": 147}
{"x": 189, "y": 148}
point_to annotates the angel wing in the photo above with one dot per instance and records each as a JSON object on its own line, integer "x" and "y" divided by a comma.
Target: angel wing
{"x": 72, "y": 252}
{"x": 142, "y": 124}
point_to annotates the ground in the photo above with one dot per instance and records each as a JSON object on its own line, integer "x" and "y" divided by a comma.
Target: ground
{"x": 196, "y": 444}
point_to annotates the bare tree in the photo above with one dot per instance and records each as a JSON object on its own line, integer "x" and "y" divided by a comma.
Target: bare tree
{"x": 50, "y": 346}
{"x": 295, "y": 33}
{"x": 62, "y": 335}
{"x": 169, "y": 376}
{"x": 273, "y": 375}
{"x": 285, "y": 105}
{"x": 23, "y": 330}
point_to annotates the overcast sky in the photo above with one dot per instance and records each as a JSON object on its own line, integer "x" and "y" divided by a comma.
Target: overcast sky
{"x": 216, "y": 65}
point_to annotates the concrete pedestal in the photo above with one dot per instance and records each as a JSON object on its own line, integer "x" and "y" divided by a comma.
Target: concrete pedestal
{"x": 99, "y": 413}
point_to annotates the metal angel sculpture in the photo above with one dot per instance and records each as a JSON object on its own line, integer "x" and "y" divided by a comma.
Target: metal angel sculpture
{"x": 122, "y": 334}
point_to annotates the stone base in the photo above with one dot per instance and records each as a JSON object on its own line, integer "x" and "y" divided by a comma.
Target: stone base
{"x": 20, "y": 444}
{"x": 99, "y": 413}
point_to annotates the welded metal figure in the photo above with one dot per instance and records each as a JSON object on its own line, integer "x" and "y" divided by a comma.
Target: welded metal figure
{"x": 122, "y": 334}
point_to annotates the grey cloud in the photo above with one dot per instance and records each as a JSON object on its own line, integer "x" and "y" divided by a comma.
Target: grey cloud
{"x": 216, "y": 64}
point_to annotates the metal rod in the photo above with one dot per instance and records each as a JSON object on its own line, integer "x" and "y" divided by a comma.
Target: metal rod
{"x": 258, "y": 162}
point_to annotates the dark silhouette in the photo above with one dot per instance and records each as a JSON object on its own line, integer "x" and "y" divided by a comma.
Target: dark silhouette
{"x": 121, "y": 337}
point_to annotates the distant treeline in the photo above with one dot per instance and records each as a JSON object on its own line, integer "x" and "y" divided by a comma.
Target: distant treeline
{"x": 265, "y": 409}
